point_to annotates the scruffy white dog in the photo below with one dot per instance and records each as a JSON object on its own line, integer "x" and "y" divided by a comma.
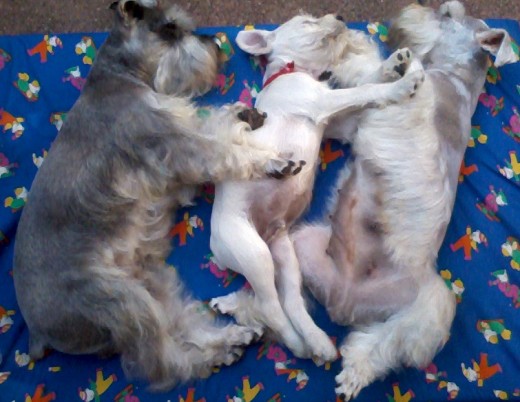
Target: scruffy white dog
{"x": 374, "y": 264}
{"x": 250, "y": 220}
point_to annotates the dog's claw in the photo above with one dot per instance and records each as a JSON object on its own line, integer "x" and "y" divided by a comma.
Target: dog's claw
{"x": 289, "y": 168}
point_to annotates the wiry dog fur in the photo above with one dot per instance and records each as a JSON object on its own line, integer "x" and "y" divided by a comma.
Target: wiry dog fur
{"x": 374, "y": 264}
{"x": 89, "y": 265}
{"x": 251, "y": 220}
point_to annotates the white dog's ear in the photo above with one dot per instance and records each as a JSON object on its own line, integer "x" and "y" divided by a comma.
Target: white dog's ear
{"x": 498, "y": 43}
{"x": 255, "y": 41}
{"x": 454, "y": 9}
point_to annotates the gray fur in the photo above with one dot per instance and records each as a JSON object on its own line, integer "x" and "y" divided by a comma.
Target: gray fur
{"x": 89, "y": 265}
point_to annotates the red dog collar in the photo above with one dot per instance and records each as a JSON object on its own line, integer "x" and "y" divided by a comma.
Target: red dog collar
{"x": 288, "y": 69}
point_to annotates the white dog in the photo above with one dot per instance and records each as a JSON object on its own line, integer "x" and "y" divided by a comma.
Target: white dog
{"x": 374, "y": 264}
{"x": 251, "y": 220}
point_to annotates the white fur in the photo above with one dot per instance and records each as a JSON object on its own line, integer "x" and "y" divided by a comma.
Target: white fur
{"x": 374, "y": 264}
{"x": 251, "y": 220}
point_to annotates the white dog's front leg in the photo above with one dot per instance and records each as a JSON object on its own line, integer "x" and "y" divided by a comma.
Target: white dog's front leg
{"x": 289, "y": 287}
{"x": 334, "y": 101}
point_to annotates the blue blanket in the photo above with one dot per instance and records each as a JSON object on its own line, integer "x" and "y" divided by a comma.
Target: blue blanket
{"x": 40, "y": 79}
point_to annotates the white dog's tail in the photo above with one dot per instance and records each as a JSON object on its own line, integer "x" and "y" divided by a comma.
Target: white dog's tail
{"x": 410, "y": 337}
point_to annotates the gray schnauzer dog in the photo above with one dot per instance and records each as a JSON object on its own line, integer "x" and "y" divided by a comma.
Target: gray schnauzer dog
{"x": 89, "y": 265}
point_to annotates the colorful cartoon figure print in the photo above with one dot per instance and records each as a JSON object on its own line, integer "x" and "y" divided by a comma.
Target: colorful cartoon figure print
{"x": 282, "y": 364}
{"x": 38, "y": 160}
{"x": 513, "y": 130}
{"x": 512, "y": 168}
{"x": 477, "y": 136}
{"x": 226, "y": 49}
{"x": 29, "y": 89}
{"x": 224, "y": 82}
{"x": 398, "y": 396}
{"x": 75, "y": 78}
{"x": 246, "y": 393}
{"x": 480, "y": 371}
{"x": 466, "y": 170}
{"x": 96, "y": 388}
{"x": 457, "y": 286}
{"x": 376, "y": 28}
{"x": 12, "y": 123}
{"x": 511, "y": 248}
{"x": 185, "y": 227}
{"x": 5, "y": 319}
{"x": 433, "y": 375}
{"x": 4, "y": 58}
{"x": 491, "y": 203}
{"x": 17, "y": 202}
{"x": 190, "y": 397}
{"x": 468, "y": 242}
{"x": 126, "y": 395}
{"x": 57, "y": 119}
{"x": 492, "y": 103}
{"x": 45, "y": 47}
{"x": 87, "y": 47}
{"x": 6, "y": 168}
{"x": 249, "y": 93}
{"x": 491, "y": 329}
{"x": 226, "y": 275}
{"x": 328, "y": 155}
{"x": 38, "y": 395}
{"x": 509, "y": 290}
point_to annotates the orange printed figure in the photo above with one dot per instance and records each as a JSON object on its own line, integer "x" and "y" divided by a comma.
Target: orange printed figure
{"x": 126, "y": 395}
{"x": 45, "y": 47}
{"x": 246, "y": 393}
{"x": 38, "y": 395}
{"x": 480, "y": 371}
{"x": 466, "y": 171}
{"x": 398, "y": 397}
{"x": 469, "y": 242}
{"x": 327, "y": 155}
{"x": 9, "y": 122}
{"x": 5, "y": 319}
{"x": 185, "y": 227}
{"x": 190, "y": 397}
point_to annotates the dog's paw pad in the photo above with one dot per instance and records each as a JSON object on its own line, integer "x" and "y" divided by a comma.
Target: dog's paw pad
{"x": 280, "y": 169}
{"x": 397, "y": 64}
{"x": 253, "y": 117}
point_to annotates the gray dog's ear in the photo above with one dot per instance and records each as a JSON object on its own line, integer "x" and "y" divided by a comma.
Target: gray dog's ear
{"x": 132, "y": 9}
{"x": 498, "y": 43}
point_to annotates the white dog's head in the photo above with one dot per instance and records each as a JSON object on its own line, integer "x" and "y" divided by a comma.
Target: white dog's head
{"x": 313, "y": 44}
{"x": 449, "y": 36}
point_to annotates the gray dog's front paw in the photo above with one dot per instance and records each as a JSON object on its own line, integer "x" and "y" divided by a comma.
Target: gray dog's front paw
{"x": 280, "y": 168}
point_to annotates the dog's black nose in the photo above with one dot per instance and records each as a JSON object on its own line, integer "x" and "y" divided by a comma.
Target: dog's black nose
{"x": 340, "y": 18}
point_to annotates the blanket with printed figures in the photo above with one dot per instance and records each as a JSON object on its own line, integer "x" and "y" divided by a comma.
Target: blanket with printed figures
{"x": 41, "y": 76}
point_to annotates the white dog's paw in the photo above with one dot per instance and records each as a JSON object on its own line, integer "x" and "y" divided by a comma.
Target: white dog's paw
{"x": 396, "y": 65}
{"x": 407, "y": 86}
{"x": 323, "y": 351}
{"x": 355, "y": 376}
{"x": 227, "y": 304}
{"x": 281, "y": 168}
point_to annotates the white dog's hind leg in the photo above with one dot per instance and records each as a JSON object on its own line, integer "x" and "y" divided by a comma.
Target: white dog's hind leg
{"x": 289, "y": 287}
{"x": 412, "y": 336}
{"x": 237, "y": 245}
{"x": 317, "y": 267}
